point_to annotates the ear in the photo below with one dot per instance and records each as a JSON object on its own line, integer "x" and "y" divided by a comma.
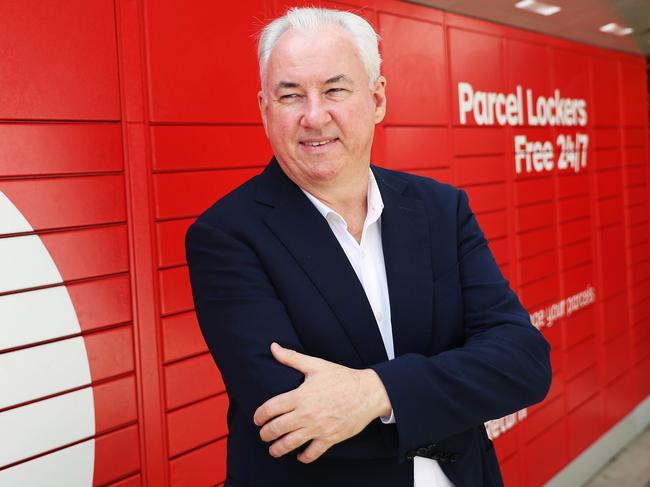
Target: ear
{"x": 261, "y": 103}
{"x": 379, "y": 97}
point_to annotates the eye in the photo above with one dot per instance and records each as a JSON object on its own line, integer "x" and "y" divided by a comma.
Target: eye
{"x": 337, "y": 93}
{"x": 290, "y": 97}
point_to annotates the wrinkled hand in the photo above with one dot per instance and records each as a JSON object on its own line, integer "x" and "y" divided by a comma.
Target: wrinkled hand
{"x": 332, "y": 404}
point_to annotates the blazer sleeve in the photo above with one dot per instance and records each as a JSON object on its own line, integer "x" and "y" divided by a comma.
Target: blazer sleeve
{"x": 502, "y": 366}
{"x": 240, "y": 315}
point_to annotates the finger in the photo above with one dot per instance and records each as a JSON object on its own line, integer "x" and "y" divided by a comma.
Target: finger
{"x": 315, "y": 449}
{"x": 289, "y": 442}
{"x": 279, "y": 426}
{"x": 296, "y": 360}
{"x": 276, "y": 406}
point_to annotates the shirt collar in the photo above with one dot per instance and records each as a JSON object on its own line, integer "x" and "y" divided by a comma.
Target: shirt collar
{"x": 374, "y": 201}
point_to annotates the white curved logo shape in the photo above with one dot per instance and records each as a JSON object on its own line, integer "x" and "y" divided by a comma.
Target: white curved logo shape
{"x": 46, "y": 401}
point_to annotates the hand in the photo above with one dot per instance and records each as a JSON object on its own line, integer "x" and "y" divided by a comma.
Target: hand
{"x": 333, "y": 404}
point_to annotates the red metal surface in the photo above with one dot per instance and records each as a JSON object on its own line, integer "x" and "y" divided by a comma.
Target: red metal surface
{"x": 55, "y": 203}
{"x": 60, "y": 148}
{"x": 118, "y": 133}
{"x": 119, "y": 449}
{"x": 50, "y": 76}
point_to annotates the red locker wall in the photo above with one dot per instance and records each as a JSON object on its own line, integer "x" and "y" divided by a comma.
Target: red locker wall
{"x": 121, "y": 120}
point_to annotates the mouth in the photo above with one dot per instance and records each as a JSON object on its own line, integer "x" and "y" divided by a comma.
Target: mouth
{"x": 316, "y": 143}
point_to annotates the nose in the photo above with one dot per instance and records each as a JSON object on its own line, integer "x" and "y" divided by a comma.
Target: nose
{"x": 316, "y": 114}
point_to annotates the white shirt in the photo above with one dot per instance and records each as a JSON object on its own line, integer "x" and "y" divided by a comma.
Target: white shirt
{"x": 367, "y": 260}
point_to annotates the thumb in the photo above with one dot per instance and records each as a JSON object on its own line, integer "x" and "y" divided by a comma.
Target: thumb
{"x": 291, "y": 358}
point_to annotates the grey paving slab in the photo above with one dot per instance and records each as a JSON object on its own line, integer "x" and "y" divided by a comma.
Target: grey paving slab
{"x": 629, "y": 468}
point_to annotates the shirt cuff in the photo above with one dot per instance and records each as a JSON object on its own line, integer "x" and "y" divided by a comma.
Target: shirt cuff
{"x": 388, "y": 419}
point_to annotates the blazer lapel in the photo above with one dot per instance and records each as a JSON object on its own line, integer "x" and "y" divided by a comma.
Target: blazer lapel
{"x": 307, "y": 236}
{"x": 407, "y": 255}
{"x": 407, "y": 251}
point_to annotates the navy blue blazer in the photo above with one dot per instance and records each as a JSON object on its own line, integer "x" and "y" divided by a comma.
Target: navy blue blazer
{"x": 265, "y": 266}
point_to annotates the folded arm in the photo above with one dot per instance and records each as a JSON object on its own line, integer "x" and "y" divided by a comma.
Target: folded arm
{"x": 502, "y": 366}
{"x": 240, "y": 316}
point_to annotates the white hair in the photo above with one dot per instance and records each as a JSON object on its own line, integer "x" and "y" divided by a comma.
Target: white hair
{"x": 364, "y": 37}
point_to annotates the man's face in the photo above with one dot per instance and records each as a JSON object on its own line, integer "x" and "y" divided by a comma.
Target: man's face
{"x": 319, "y": 111}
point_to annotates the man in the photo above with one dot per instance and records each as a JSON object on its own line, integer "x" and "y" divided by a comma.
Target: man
{"x": 362, "y": 327}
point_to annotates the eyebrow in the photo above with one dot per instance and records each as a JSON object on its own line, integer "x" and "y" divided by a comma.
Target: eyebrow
{"x": 286, "y": 84}
{"x": 337, "y": 78}
{"x": 328, "y": 81}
